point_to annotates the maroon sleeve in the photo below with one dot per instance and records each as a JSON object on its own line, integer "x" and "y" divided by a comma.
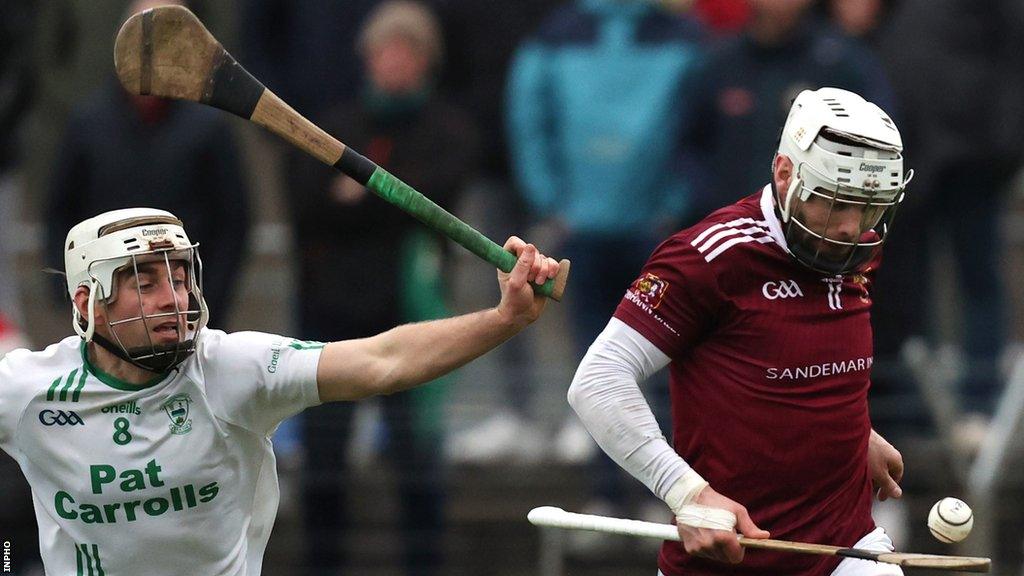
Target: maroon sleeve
{"x": 675, "y": 299}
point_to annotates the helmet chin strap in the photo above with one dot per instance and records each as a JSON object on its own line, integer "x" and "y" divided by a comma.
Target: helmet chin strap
{"x": 164, "y": 359}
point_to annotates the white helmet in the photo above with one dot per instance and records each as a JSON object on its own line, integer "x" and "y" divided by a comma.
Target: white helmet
{"x": 99, "y": 247}
{"x": 848, "y": 151}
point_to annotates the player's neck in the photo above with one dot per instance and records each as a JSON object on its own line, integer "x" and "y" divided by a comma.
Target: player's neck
{"x": 105, "y": 361}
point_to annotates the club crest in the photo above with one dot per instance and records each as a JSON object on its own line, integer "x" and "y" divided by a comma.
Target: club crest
{"x": 650, "y": 289}
{"x": 177, "y": 409}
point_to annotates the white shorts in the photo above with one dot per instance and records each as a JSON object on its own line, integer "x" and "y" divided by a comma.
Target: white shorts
{"x": 876, "y": 541}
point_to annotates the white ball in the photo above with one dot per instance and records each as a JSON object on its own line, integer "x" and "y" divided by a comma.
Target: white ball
{"x": 950, "y": 520}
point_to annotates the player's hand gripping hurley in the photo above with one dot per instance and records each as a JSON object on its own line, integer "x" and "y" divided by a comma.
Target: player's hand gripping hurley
{"x": 557, "y": 518}
{"x": 166, "y": 51}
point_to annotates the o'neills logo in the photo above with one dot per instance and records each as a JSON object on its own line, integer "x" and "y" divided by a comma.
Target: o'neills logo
{"x": 865, "y": 167}
{"x": 126, "y": 408}
{"x": 819, "y": 370}
{"x": 154, "y": 232}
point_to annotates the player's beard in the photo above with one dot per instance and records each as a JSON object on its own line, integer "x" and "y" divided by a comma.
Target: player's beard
{"x": 818, "y": 243}
{"x": 830, "y": 257}
{"x": 825, "y": 250}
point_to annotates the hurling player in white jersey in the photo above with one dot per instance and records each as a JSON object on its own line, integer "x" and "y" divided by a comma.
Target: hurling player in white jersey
{"x": 145, "y": 437}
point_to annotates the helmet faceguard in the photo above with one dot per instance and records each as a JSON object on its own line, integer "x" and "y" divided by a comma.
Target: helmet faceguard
{"x": 103, "y": 249}
{"x": 846, "y": 156}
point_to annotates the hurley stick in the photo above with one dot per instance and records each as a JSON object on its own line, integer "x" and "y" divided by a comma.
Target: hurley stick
{"x": 166, "y": 51}
{"x": 557, "y": 518}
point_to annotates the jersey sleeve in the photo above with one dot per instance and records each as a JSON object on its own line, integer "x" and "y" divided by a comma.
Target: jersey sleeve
{"x": 674, "y": 300}
{"x": 256, "y": 380}
{"x": 13, "y": 401}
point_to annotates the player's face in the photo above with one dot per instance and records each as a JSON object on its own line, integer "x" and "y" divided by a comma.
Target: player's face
{"x": 833, "y": 217}
{"x": 149, "y": 308}
{"x": 824, "y": 222}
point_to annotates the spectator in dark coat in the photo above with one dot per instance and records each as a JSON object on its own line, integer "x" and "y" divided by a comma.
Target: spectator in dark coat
{"x": 958, "y": 70}
{"x": 351, "y": 246}
{"x": 750, "y": 81}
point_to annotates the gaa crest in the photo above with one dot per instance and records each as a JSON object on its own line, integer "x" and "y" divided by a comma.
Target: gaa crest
{"x": 650, "y": 289}
{"x": 177, "y": 409}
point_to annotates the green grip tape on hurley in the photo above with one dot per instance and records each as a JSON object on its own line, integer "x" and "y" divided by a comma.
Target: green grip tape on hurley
{"x": 387, "y": 186}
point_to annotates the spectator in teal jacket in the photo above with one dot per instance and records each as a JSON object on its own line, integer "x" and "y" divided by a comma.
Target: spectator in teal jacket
{"x": 595, "y": 104}
{"x": 597, "y": 100}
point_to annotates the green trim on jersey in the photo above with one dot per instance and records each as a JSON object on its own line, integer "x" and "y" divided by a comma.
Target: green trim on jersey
{"x": 85, "y": 568}
{"x": 53, "y": 388}
{"x": 69, "y": 380}
{"x": 306, "y": 345}
{"x": 114, "y": 381}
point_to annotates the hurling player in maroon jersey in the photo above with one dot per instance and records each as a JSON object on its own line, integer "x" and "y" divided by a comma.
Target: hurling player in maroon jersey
{"x": 762, "y": 313}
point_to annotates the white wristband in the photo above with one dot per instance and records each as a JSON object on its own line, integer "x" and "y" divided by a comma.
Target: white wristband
{"x": 680, "y": 499}
{"x": 685, "y": 490}
{"x": 700, "y": 516}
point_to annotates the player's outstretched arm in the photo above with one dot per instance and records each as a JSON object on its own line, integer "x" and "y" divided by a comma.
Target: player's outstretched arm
{"x": 413, "y": 354}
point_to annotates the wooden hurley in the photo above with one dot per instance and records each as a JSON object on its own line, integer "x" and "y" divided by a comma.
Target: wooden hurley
{"x": 166, "y": 51}
{"x": 557, "y": 518}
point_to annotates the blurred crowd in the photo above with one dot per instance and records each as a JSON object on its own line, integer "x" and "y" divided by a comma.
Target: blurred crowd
{"x": 592, "y": 127}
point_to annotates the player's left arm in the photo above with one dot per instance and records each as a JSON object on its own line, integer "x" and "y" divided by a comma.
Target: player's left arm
{"x": 414, "y": 354}
{"x": 885, "y": 463}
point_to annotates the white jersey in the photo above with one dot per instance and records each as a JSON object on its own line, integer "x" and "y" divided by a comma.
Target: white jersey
{"x": 176, "y": 477}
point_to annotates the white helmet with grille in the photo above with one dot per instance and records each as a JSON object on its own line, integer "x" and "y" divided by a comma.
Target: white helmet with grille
{"x": 847, "y": 150}
{"x": 97, "y": 248}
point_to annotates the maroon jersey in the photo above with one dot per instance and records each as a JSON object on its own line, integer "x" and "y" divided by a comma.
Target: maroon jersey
{"x": 769, "y": 380}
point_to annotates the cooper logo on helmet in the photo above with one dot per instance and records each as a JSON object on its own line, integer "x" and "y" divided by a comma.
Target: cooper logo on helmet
{"x": 865, "y": 167}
